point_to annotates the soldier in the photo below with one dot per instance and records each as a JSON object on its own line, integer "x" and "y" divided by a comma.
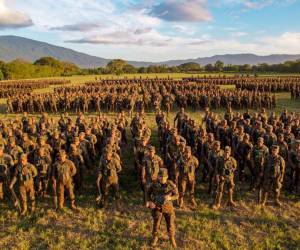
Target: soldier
{"x": 76, "y": 157}
{"x": 150, "y": 169}
{"x": 180, "y": 118}
{"x": 294, "y": 160}
{"x": 226, "y": 166}
{"x": 63, "y": 172}
{"x": 213, "y": 156}
{"x": 43, "y": 165}
{"x": 25, "y": 174}
{"x": 258, "y": 156}
{"x": 107, "y": 176}
{"x": 187, "y": 165}
{"x": 6, "y": 163}
{"x": 161, "y": 193}
{"x": 243, "y": 155}
{"x": 274, "y": 169}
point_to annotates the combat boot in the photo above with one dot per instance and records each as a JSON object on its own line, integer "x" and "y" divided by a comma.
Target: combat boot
{"x": 193, "y": 202}
{"x": 24, "y": 210}
{"x": 277, "y": 202}
{"x": 180, "y": 202}
{"x": 260, "y": 195}
{"x": 173, "y": 242}
{"x": 154, "y": 241}
{"x": 264, "y": 200}
{"x": 33, "y": 206}
{"x": 73, "y": 205}
{"x": 231, "y": 202}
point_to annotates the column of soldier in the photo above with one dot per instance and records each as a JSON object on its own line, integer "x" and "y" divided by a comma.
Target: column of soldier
{"x": 116, "y": 95}
{"x": 37, "y": 153}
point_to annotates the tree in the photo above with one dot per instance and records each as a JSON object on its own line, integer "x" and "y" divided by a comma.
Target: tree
{"x": 116, "y": 66}
{"x": 49, "y": 61}
{"x": 219, "y": 65}
{"x": 1, "y": 75}
{"x": 129, "y": 69}
{"x": 209, "y": 68}
{"x": 190, "y": 66}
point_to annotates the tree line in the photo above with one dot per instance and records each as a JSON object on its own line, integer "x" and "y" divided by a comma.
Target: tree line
{"x": 51, "y": 67}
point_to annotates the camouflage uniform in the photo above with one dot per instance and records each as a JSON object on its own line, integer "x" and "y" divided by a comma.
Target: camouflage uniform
{"x": 274, "y": 170}
{"x": 63, "y": 172}
{"x": 161, "y": 194}
{"x": 25, "y": 174}
{"x": 187, "y": 166}
{"x": 108, "y": 170}
{"x": 6, "y": 163}
{"x": 226, "y": 166}
{"x": 258, "y": 156}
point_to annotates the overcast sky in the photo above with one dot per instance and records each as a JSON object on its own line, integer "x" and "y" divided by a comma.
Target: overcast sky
{"x": 157, "y": 30}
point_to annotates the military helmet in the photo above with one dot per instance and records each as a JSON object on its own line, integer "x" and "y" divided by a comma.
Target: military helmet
{"x": 163, "y": 172}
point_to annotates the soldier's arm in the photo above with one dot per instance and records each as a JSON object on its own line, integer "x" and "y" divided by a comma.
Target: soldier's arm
{"x": 282, "y": 169}
{"x": 73, "y": 169}
{"x": 118, "y": 166}
{"x": 174, "y": 195}
{"x": 33, "y": 171}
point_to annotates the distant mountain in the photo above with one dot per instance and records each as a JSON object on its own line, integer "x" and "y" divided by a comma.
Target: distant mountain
{"x": 13, "y": 47}
{"x": 238, "y": 59}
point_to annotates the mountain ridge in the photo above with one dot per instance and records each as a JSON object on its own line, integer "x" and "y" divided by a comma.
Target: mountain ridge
{"x": 15, "y": 47}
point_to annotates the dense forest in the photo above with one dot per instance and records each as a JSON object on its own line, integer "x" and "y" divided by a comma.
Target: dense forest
{"x": 48, "y": 67}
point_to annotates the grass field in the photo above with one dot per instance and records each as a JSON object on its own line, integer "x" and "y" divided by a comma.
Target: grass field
{"x": 246, "y": 227}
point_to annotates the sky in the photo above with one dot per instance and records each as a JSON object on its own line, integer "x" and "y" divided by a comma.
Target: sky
{"x": 157, "y": 30}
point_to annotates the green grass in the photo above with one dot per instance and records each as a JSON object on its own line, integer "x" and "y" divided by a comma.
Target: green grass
{"x": 247, "y": 227}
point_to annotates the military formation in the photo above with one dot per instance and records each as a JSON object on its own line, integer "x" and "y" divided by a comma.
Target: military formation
{"x": 43, "y": 158}
{"x": 137, "y": 94}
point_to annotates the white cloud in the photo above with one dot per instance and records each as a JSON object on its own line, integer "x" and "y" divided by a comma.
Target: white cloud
{"x": 10, "y": 18}
{"x": 182, "y": 11}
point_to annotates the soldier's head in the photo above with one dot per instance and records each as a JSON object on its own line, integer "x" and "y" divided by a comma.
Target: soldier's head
{"x": 182, "y": 109}
{"x": 241, "y": 129}
{"x": 41, "y": 141}
{"x": 41, "y": 151}
{"x": 260, "y": 141}
{"x": 25, "y": 137}
{"x": 73, "y": 148}
{"x": 227, "y": 152}
{"x": 270, "y": 128}
{"x": 62, "y": 156}
{"x": 56, "y": 135}
{"x": 246, "y": 138}
{"x": 88, "y": 131}
{"x": 217, "y": 145}
{"x": 151, "y": 151}
{"x": 274, "y": 150}
{"x": 23, "y": 159}
{"x": 163, "y": 175}
{"x": 12, "y": 141}
{"x": 81, "y": 136}
{"x": 188, "y": 151}
{"x": 108, "y": 153}
{"x": 280, "y": 137}
{"x": 76, "y": 140}
{"x": 297, "y": 144}
{"x": 210, "y": 137}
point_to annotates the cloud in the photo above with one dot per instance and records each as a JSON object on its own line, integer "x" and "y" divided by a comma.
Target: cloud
{"x": 258, "y": 4}
{"x": 11, "y": 19}
{"x": 81, "y": 27}
{"x": 141, "y": 38}
{"x": 142, "y": 31}
{"x": 181, "y": 11}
